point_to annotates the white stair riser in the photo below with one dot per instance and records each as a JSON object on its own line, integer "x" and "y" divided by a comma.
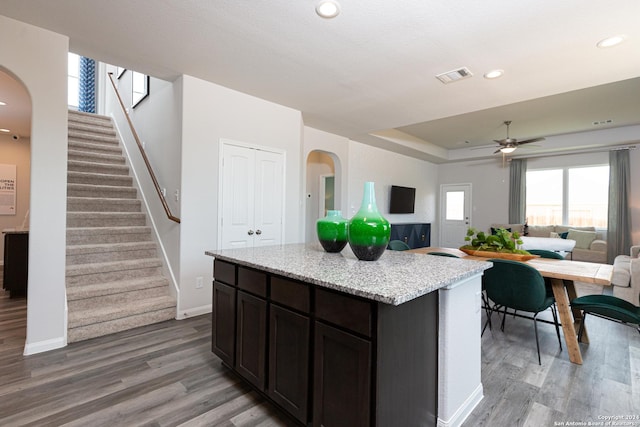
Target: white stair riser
{"x": 102, "y": 192}
{"x": 119, "y": 298}
{"x": 99, "y": 179}
{"x": 92, "y": 239}
{"x": 104, "y": 158}
{"x": 123, "y": 324}
{"x": 95, "y": 148}
{"x": 112, "y": 276}
{"x": 76, "y": 166}
{"x": 99, "y": 205}
{"x": 110, "y": 256}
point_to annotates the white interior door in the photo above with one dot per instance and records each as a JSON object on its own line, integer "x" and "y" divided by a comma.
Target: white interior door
{"x": 238, "y": 186}
{"x": 269, "y": 198}
{"x": 455, "y": 214}
{"x": 252, "y": 197}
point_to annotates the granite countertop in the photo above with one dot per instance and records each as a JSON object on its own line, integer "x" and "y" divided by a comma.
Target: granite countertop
{"x": 395, "y": 278}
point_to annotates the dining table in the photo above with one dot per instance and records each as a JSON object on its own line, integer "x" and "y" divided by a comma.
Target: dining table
{"x": 563, "y": 273}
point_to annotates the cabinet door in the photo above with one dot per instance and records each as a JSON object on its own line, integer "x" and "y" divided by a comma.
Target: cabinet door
{"x": 223, "y": 322}
{"x": 251, "y": 338}
{"x": 342, "y": 378}
{"x": 289, "y": 360}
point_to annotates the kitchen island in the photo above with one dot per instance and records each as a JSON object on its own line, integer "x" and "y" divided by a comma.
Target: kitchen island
{"x": 337, "y": 341}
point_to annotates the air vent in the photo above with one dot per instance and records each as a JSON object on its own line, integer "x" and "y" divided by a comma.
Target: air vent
{"x": 602, "y": 122}
{"x": 454, "y": 75}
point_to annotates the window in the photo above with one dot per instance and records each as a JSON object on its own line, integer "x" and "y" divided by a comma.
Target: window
{"x": 73, "y": 81}
{"x": 454, "y": 206}
{"x": 570, "y": 196}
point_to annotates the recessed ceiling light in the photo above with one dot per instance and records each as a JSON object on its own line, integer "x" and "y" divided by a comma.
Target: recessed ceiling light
{"x": 3, "y": 103}
{"x": 328, "y": 9}
{"x": 494, "y": 74}
{"x": 5, "y": 130}
{"x": 611, "y": 41}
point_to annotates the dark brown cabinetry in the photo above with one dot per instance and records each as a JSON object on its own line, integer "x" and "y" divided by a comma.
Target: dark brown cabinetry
{"x": 16, "y": 263}
{"x": 327, "y": 358}
{"x": 223, "y": 322}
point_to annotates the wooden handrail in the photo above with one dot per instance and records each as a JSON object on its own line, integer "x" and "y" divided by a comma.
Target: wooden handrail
{"x": 167, "y": 210}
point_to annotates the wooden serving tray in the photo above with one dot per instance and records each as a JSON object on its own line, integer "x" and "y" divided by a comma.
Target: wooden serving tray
{"x": 488, "y": 254}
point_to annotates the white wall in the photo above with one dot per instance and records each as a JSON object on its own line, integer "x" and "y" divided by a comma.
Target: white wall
{"x": 157, "y": 122}
{"x": 16, "y": 153}
{"x": 38, "y": 58}
{"x": 209, "y": 113}
{"x": 384, "y": 168}
{"x": 360, "y": 163}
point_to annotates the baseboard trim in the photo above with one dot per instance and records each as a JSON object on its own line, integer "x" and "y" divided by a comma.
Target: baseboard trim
{"x": 464, "y": 410}
{"x": 192, "y": 312}
{"x": 42, "y": 346}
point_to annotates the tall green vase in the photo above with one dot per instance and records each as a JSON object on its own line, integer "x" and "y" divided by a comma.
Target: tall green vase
{"x": 332, "y": 231}
{"x": 369, "y": 232}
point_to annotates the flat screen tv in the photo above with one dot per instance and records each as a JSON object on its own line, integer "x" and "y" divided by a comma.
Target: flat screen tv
{"x": 402, "y": 200}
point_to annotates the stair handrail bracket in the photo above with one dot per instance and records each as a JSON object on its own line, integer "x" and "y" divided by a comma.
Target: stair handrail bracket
{"x": 163, "y": 200}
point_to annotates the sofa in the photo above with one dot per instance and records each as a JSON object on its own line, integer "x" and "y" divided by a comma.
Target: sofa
{"x": 590, "y": 244}
{"x": 626, "y": 276}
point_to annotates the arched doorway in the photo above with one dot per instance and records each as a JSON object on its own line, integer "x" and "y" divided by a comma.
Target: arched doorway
{"x": 15, "y": 174}
{"x": 323, "y": 189}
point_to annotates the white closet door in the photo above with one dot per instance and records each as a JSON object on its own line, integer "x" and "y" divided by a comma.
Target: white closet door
{"x": 269, "y": 196}
{"x": 238, "y": 183}
{"x": 252, "y": 197}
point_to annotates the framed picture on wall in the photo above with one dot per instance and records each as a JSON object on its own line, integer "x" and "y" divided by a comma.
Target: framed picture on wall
{"x": 7, "y": 189}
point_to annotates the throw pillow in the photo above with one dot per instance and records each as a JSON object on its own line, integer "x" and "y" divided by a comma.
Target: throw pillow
{"x": 583, "y": 238}
{"x": 564, "y": 235}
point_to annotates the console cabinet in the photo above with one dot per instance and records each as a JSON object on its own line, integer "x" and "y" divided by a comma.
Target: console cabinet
{"x": 326, "y": 357}
{"x": 416, "y": 235}
{"x": 16, "y": 263}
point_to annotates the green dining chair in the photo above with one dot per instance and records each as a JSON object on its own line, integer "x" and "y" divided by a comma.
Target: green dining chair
{"x": 544, "y": 253}
{"x": 436, "y": 253}
{"x": 607, "y": 307}
{"x": 515, "y": 285}
{"x": 398, "y": 245}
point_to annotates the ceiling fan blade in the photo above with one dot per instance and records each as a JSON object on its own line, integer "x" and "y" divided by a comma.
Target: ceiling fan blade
{"x": 497, "y": 151}
{"x": 528, "y": 141}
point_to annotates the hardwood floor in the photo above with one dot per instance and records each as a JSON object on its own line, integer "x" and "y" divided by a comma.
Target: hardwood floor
{"x": 166, "y": 375}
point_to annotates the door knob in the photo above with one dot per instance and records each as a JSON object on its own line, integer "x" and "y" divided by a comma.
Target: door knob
{"x": 250, "y": 232}
{"x": 258, "y": 232}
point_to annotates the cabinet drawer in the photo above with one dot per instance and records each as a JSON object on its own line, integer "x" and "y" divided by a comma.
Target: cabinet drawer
{"x": 290, "y": 293}
{"x": 224, "y": 272}
{"x": 345, "y": 311}
{"x": 252, "y": 281}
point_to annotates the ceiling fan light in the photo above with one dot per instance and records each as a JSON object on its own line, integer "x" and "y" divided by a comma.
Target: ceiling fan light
{"x": 507, "y": 150}
{"x": 328, "y": 9}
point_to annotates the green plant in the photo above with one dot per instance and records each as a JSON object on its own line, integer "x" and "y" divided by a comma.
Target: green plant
{"x": 502, "y": 241}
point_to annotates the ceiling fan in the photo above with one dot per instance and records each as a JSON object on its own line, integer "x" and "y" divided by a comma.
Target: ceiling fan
{"x": 508, "y": 145}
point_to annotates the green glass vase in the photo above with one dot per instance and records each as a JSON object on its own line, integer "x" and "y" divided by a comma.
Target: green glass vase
{"x": 332, "y": 231}
{"x": 369, "y": 232}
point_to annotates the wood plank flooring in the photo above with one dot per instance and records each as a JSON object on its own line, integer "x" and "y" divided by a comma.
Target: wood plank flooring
{"x": 166, "y": 375}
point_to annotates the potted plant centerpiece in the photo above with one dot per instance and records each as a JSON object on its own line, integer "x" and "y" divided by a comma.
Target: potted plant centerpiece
{"x": 501, "y": 244}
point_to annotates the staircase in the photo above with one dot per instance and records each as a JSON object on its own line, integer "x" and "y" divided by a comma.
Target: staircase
{"x": 114, "y": 278}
